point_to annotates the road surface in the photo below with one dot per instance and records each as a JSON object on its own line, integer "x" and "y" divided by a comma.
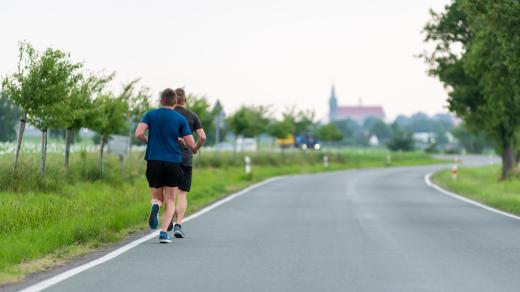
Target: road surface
{"x": 362, "y": 230}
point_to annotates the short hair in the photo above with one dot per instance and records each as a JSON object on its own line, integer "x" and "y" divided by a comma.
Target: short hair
{"x": 168, "y": 97}
{"x": 181, "y": 95}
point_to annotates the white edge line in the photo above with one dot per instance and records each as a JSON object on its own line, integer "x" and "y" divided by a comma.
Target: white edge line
{"x": 428, "y": 181}
{"x": 67, "y": 274}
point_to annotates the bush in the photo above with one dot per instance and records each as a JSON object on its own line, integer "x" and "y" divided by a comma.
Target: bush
{"x": 401, "y": 141}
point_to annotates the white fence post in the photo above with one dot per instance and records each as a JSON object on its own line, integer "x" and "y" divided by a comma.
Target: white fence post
{"x": 247, "y": 159}
{"x": 325, "y": 161}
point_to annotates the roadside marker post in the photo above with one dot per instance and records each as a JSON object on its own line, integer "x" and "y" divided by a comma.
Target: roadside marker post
{"x": 455, "y": 169}
{"x": 247, "y": 159}
{"x": 325, "y": 161}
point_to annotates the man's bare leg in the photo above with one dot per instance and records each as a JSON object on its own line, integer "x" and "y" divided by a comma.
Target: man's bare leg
{"x": 169, "y": 209}
{"x": 170, "y": 227}
{"x": 181, "y": 205}
{"x": 157, "y": 196}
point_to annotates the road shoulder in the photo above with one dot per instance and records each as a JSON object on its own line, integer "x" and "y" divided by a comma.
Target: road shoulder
{"x": 435, "y": 181}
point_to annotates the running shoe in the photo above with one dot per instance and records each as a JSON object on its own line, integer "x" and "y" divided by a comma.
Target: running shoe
{"x": 153, "y": 220}
{"x": 177, "y": 231}
{"x": 164, "y": 237}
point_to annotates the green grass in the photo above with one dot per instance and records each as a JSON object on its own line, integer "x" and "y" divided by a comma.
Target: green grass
{"x": 482, "y": 185}
{"x": 44, "y": 221}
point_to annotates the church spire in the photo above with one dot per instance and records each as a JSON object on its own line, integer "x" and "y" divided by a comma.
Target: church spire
{"x": 333, "y": 104}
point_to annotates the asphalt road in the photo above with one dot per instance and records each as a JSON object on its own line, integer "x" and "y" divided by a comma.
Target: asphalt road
{"x": 363, "y": 230}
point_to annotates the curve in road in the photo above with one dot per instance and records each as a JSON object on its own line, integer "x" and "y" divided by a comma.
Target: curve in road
{"x": 363, "y": 230}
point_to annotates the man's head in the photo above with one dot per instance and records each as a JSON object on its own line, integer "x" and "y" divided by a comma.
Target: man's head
{"x": 181, "y": 96}
{"x": 168, "y": 97}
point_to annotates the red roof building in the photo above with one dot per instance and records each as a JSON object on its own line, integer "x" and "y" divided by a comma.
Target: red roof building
{"x": 357, "y": 113}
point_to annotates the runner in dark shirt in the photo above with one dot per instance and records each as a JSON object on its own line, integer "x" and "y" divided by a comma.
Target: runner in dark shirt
{"x": 166, "y": 128}
{"x": 181, "y": 200}
{"x": 195, "y": 125}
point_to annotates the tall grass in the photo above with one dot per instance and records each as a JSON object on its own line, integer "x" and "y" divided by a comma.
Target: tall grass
{"x": 83, "y": 168}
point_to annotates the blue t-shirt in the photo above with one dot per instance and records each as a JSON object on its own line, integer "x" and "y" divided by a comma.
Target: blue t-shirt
{"x": 165, "y": 126}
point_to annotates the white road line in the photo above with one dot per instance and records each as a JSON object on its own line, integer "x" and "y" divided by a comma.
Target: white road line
{"x": 428, "y": 181}
{"x": 67, "y": 274}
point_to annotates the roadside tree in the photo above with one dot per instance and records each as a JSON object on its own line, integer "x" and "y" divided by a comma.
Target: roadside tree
{"x": 138, "y": 104}
{"x": 39, "y": 86}
{"x": 476, "y": 56}
{"x": 329, "y": 133}
{"x": 79, "y": 104}
{"x": 249, "y": 121}
{"x": 281, "y": 129}
{"x": 200, "y": 105}
{"x": 108, "y": 117}
{"x": 303, "y": 120}
{"x": 401, "y": 140}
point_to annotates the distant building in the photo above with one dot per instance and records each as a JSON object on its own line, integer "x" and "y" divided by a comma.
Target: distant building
{"x": 358, "y": 113}
{"x": 373, "y": 141}
{"x": 423, "y": 140}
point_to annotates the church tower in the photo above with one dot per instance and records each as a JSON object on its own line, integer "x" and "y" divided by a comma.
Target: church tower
{"x": 333, "y": 104}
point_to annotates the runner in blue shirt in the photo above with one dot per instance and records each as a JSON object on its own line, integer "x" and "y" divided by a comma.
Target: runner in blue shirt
{"x": 164, "y": 157}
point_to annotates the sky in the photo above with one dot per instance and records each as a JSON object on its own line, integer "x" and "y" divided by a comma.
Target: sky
{"x": 281, "y": 53}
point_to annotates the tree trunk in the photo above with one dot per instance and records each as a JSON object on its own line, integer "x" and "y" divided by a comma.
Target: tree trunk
{"x": 122, "y": 163}
{"x": 43, "y": 159}
{"x": 508, "y": 160}
{"x": 235, "y": 150}
{"x": 68, "y": 141}
{"x": 21, "y": 130}
{"x": 101, "y": 153}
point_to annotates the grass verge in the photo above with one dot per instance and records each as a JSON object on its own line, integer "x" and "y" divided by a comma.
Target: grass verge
{"x": 45, "y": 222}
{"x": 482, "y": 185}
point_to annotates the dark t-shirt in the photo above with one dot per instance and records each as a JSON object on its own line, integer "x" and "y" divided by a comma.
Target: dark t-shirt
{"x": 165, "y": 127}
{"x": 195, "y": 124}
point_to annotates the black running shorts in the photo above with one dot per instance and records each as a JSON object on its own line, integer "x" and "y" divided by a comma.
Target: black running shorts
{"x": 163, "y": 174}
{"x": 185, "y": 184}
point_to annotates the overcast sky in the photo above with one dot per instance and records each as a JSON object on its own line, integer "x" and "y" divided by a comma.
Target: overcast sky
{"x": 274, "y": 52}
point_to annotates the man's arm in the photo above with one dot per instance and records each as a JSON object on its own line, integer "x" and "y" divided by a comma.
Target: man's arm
{"x": 190, "y": 142}
{"x": 139, "y": 132}
{"x": 201, "y": 139}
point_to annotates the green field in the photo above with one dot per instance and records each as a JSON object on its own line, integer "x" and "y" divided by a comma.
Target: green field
{"x": 46, "y": 221}
{"x": 482, "y": 185}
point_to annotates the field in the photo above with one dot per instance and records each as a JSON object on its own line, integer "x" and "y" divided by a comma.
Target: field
{"x": 46, "y": 221}
{"x": 482, "y": 185}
